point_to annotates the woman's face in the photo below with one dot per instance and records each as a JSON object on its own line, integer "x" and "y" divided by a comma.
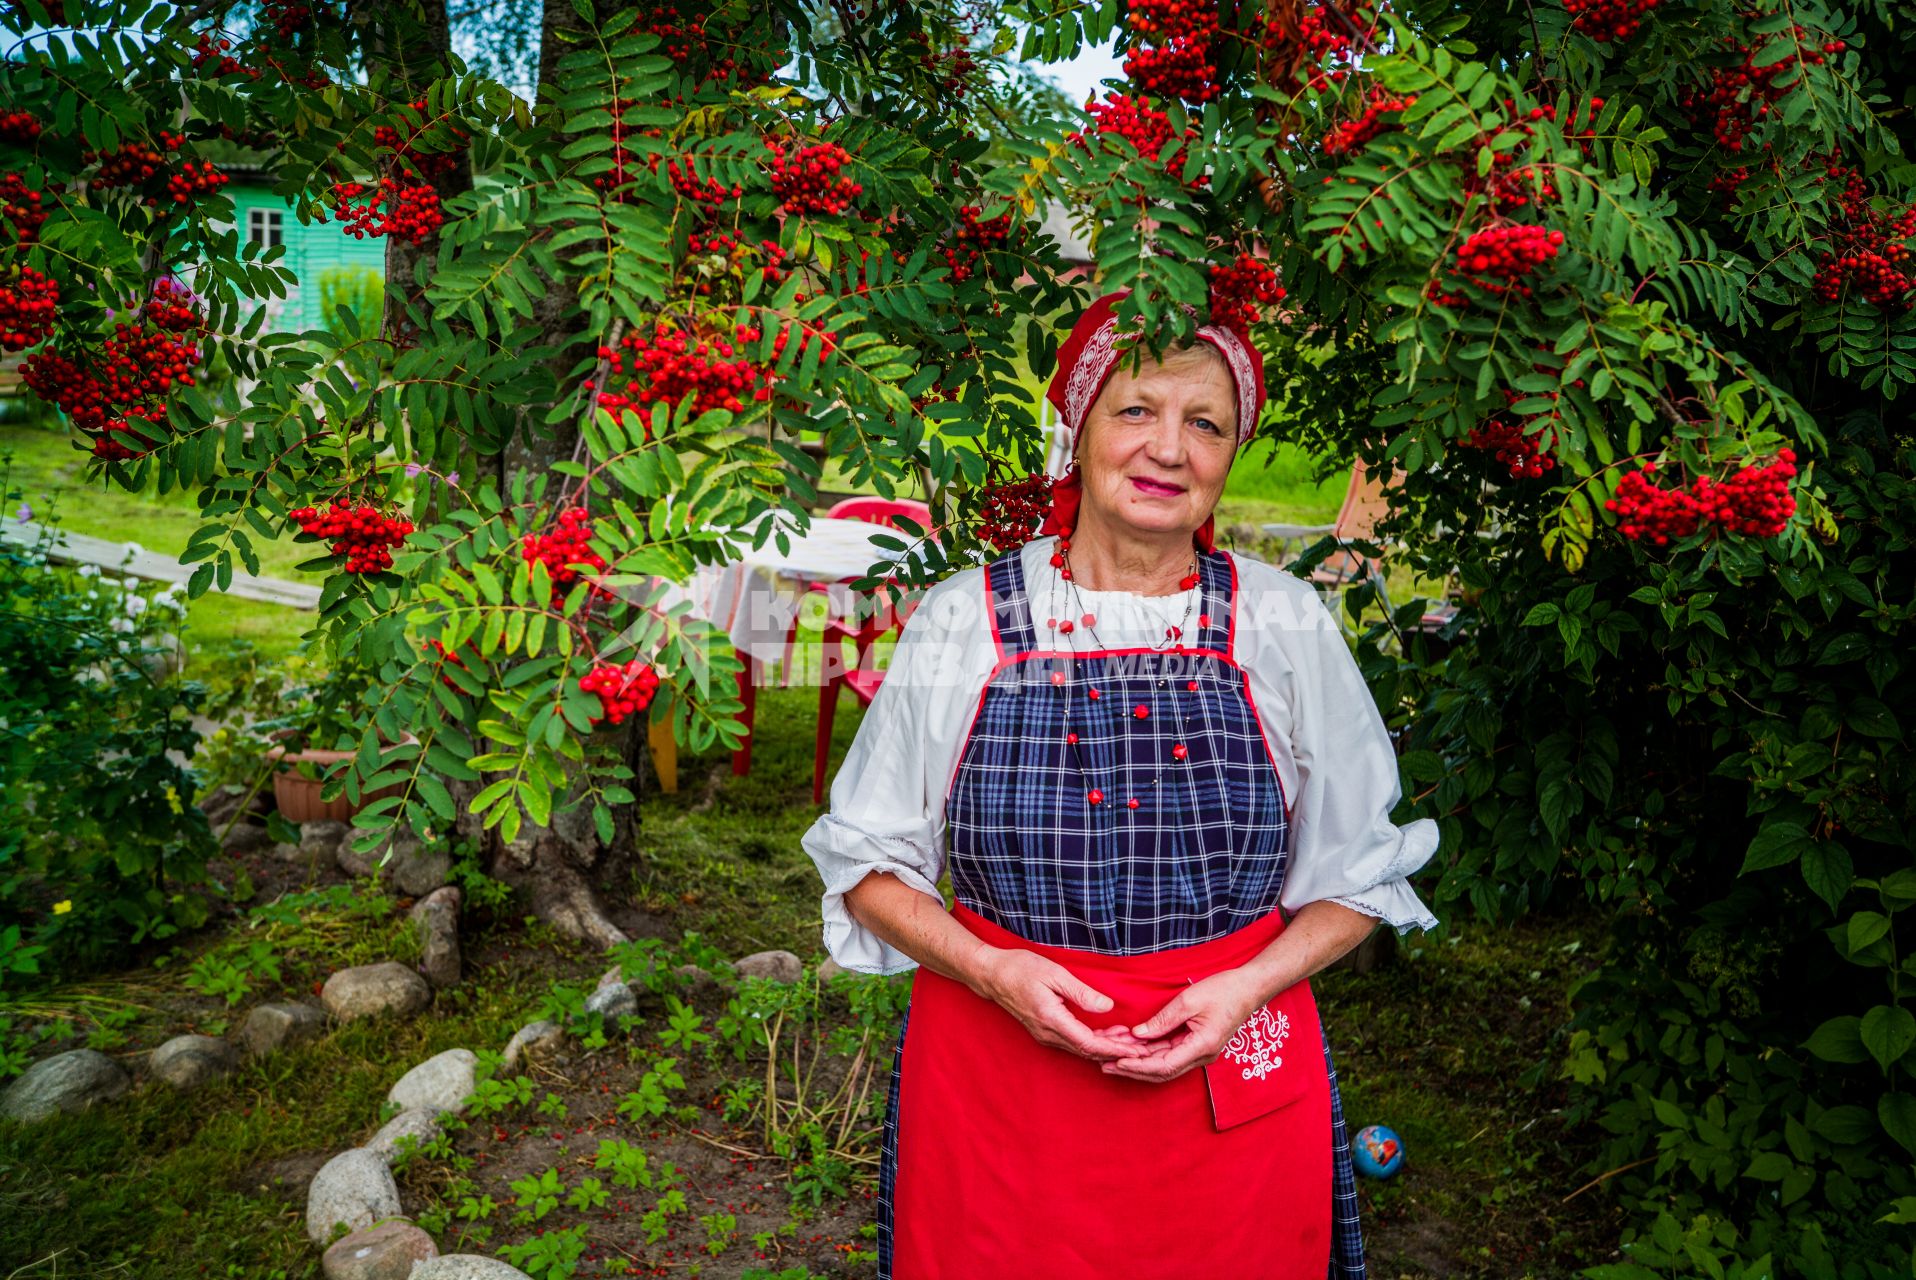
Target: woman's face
{"x": 1157, "y": 444}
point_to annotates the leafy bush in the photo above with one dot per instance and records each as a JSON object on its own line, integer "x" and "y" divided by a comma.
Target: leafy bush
{"x": 100, "y": 843}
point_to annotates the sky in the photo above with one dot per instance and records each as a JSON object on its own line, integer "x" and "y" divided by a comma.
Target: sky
{"x": 1079, "y": 77}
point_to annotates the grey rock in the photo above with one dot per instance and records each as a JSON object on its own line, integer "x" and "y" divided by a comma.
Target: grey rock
{"x": 245, "y": 837}
{"x": 437, "y": 918}
{"x": 780, "y": 966}
{"x": 418, "y": 1123}
{"x": 70, "y": 1081}
{"x": 388, "y": 1251}
{"x": 187, "y": 1062}
{"x": 696, "y": 983}
{"x": 533, "y": 1040}
{"x": 829, "y": 968}
{"x": 415, "y": 869}
{"x": 612, "y": 977}
{"x": 354, "y": 1187}
{"x": 466, "y": 1266}
{"x": 370, "y": 990}
{"x": 613, "y": 1002}
{"x": 443, "y": 1082}
{"x": 271, "y": 1027}
{"x": 286, "y": 853}
{"x": 322, "y": 840}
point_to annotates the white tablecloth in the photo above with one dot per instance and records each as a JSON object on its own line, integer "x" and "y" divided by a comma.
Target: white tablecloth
{"x": 755, "y": 598}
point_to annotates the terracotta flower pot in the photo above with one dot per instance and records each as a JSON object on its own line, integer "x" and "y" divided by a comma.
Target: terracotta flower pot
{"x": 298, "y": 797}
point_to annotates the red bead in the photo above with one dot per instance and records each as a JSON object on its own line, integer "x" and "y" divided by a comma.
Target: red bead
{"x": 1204, "y": 619}
{"x": 1192, "y": 686}
{"x": 1140, "y": 711}
{"x": 1057, "y": 677}
{"x": 1091, "y": 693}
{"x": 1095, "y": 796}
{"x": 1173, "y": 632}
{"x": 1071, "y": 738}
{"x": 1178, "y": 751}
{"x": 1089, "y": 620}
{"x": 1132, "y": 802}
{"x": 1065, "y": 626}
{"x": 1052, "y": 623}
{"x": 1056, "y": 559}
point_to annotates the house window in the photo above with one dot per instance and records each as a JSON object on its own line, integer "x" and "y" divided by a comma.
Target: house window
{"x": 266, "y": 227}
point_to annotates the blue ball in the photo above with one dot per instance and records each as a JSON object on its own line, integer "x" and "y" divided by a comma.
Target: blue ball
{"x": 1377, "y": 1152}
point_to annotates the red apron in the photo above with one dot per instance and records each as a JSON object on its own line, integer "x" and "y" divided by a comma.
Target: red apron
{"x": 1017, "y": 1161}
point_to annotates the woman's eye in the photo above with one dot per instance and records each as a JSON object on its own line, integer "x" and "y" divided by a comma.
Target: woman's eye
{"x": 1205, "y": 424}
{"x": 1131, "y": 408}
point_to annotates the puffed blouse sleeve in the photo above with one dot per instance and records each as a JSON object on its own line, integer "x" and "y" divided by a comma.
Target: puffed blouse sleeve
{"x": 887, "y": 804}
{"x": 1333, "y": 753}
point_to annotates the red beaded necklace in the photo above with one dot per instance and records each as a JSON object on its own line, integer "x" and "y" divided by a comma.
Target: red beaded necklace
{"x": 1173, "y": 636}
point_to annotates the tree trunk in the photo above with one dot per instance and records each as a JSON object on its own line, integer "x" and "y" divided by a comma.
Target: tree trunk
{"x": 564, "y": 867}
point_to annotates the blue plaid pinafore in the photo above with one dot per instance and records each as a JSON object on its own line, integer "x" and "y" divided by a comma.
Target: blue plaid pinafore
{"x": 1202, "y": 855}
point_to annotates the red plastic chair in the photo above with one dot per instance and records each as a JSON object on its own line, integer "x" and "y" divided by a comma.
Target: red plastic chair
{"x": 878, "y": 614}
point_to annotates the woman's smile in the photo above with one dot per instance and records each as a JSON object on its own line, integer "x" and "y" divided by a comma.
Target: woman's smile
{"x": 1156, "y": 488}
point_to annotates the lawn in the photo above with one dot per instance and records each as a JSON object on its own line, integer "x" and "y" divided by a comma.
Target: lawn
{"x": 1451, "y": 1045}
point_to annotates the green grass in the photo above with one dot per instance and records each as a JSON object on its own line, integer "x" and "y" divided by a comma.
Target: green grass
{"x": 50, "y": 474}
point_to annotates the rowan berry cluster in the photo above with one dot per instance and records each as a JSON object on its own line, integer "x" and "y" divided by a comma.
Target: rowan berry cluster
{"x": 400, "y": 141}
{"x": 1522, "y": 454}
{"x": 407, "y": 209}
{"x": 1740, "y": 96}
{"x": 1753, "y": 501}
{"x": 173, "y": 306}
{"x": 20, "y": 209}
{"x": 139, "y": 167}
{"x": 288, "y": 18}
{"x": 707, "y": 191}
{"x": 811, "y": 178}
{"x": 737, "y": 252}
{"x": 1607, "y": 20}
{"x": 362, "y": 534}
{"x": 562, "y": 549}
{"x": 1321, "y": 50}
{"x": 1170, "y": 52}
{"x": 1144, "y": 127}
{"x": 664, "y": 364}
{"x": 622, "y": 690}
{"x": 953, "y": 69}
{"x": 1513, "y": 181}
{"x": 1506, "y": 252}
{"x": 133, "y": 371}
{"x": 21, "y": 128}
{"x": 1011, "y": 510}
{"x": 218, "y": 51}
{"x": 1868, "y": 254}
{"x": 29, "y": 304}
{"x": 1379, "y": 112}
{"x": 1241, "y": 290}
{"x": 974, "y": 236}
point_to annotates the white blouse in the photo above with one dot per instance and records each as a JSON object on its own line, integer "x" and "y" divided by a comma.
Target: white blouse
{"x": 1333, "y": 753}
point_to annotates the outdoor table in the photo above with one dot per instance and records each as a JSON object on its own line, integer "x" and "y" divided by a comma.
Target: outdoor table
{"x": 756, "y": 597}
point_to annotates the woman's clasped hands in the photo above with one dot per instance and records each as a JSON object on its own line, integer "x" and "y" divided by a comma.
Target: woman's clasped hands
{"x": 1190, "y": 1030}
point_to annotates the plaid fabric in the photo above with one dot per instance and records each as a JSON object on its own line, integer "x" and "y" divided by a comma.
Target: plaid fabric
{"x": 1202, "y": 854}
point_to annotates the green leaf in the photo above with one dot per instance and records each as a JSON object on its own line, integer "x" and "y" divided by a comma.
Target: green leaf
{"x": 1775, "y": 845}
{"x": 1887, "y": 1032}
{"x": 1839, "y": 1040}
{"x": 1828, "y": 871}
{"x": 1897, "y": 1111}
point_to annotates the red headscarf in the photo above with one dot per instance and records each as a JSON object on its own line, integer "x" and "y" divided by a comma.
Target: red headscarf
{"x": 1085, "y": 364}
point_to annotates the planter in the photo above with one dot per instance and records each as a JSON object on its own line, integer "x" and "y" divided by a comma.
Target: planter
{"x": 298, "y": 798}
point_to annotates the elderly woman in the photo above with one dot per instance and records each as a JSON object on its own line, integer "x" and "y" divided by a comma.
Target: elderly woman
{"x": 1163, "y": 793}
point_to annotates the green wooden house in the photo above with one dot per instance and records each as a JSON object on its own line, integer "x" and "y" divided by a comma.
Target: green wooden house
{"x": 331, "y": 265}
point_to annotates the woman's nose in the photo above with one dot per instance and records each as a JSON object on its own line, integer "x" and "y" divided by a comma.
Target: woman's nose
{"x": 1166, "y": 443}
